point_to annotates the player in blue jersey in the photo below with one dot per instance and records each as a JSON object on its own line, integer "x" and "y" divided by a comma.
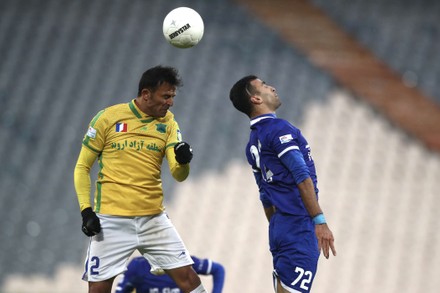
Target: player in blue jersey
{"x": 138, "y": 277}
{"x": 285, "y": 173}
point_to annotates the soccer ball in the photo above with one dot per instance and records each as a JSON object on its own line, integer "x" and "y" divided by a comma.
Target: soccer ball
{"x": 183, "y": 27}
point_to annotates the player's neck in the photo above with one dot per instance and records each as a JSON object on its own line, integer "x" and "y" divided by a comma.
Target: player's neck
{"x": 139, "y": 103}
{"x": 259, "y": 113}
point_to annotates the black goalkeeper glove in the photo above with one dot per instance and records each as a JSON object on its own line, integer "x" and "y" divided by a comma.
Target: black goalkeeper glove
{"x": 183, "y": 152}
{"x": 90, "y": 225}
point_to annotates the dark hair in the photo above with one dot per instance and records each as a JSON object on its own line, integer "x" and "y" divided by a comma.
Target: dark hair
{"x": 241, "y": 92}
{"x": 154, "y": 77}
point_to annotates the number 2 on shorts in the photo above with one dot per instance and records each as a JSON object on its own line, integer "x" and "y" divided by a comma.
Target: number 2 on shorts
{"x": 94, "y": 266}
{"x": 304, "y": 276}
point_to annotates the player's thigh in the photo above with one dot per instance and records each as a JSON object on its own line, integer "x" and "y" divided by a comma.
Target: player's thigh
{"x": 101, "y": 287}
{"x": 279, "y": 288}
{"x": 109, "y": 250}
{"x": 295, "y": 253}
{"x": 161, "y": 244}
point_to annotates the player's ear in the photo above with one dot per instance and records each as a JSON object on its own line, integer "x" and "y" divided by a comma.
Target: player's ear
{"x": 256, "y": 99}
{"x": 145, "y": 93}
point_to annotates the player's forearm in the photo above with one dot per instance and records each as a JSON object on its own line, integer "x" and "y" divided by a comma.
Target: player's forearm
{"x": 180, "y": 172}
{"x": 308, "y": 196}
{"x": 218, "y": 274}
{"x": 269, "y": 212}
{"x": 82, "y": 187}
{"x": 81, "y": 176}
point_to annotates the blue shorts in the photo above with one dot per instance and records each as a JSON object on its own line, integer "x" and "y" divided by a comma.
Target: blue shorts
{"x": 294, "y": 249}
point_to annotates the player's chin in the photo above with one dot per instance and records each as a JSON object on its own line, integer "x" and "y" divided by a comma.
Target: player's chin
{"x": 162, "y": 113}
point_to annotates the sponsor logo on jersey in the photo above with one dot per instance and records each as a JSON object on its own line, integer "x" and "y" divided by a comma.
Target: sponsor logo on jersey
{"x": 285, "y": 138}
{"x": 91, "y": 132}
{"x": 121, "y": 127}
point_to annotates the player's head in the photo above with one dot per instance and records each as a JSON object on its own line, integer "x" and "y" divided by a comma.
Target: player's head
{"x": 241, "y": 92}
{"x": 157, "y": 89}
{"x": 253, "y": 96}
{"x": 156, "y": 76}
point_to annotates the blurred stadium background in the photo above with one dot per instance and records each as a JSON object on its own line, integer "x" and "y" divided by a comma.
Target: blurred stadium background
{"x": 360, "y": 78}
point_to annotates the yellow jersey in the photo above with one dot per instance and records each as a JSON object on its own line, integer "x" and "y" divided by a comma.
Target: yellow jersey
{"x": 130, "y": 147}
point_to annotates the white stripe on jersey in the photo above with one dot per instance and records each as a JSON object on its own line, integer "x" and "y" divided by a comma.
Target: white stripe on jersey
{"x": 294, "y": 147}
{"x": 259, "y": 119}
{"x": 209, "y": 266}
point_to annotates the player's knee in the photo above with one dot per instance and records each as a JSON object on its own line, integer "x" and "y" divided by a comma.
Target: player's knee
{"x": 186, "y": 278}
{"x": 199, "y": 289}
{"x": 191, "y": 281}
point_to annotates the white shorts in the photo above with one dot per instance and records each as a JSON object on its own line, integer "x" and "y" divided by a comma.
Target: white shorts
{"x": 155, "y": 237}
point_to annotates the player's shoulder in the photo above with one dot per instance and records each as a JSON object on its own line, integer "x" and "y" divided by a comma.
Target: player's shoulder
{"x": 139, "y": 259}
{"x": 276, "y": 125}
{"x": 139, "y": 262}
{"x": 116, "y": 109}
{"x": 282, "y": 122}
{"x": 111, "y": 112}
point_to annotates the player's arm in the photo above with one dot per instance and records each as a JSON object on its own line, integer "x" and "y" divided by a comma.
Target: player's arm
{"x": 218, "y": 277}
{"x": 269, "y": 209}
{"x": 294, "y": 161}
{"x": 269, "y": 212}
{"x": 209, "y": 267}
{"x": 91, "y": 225}
{"x": 82, "y": 181}
{"x": 178, "y": 153}
{"x": 179, "y": 171}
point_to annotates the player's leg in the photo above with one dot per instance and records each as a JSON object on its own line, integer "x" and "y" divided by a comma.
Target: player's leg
{"x": 186, "y": 278}
{"x": 295, "y": 251}
{"x": 109, "y": 251}
{"x": 101, "y": 287}
{"x": 164, "y": 249}
{"x": 279, "y": 287}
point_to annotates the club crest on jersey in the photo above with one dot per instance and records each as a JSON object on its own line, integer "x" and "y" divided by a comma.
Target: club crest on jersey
{"x": 91, "y": 132}
{"x": 285, "y": 138}
{"x": 162, "y": 128}
{"x": 121, "y": 127}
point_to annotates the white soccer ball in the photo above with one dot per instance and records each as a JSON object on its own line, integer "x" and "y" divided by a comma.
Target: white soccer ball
{"x": 183, "y": 27}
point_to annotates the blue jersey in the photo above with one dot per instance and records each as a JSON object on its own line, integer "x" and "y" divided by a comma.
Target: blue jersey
{"x": 138, "y": 277}
{"x": 270, "y": 140}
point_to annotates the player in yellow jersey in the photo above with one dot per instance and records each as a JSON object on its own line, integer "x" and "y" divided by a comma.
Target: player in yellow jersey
{"x": 130, "y": 141}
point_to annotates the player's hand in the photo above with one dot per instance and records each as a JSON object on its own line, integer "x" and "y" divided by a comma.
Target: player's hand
{"x": 183, "y": 152}
{"x": 90, "y": 225}
{"x": 326, "y": 241}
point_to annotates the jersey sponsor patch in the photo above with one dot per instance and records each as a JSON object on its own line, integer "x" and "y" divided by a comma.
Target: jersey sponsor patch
{"x": 285, "y": 138}
{"x": 179, "y": 135}
{"x": 91, "y": 132}
{"x": 121, "y": 127}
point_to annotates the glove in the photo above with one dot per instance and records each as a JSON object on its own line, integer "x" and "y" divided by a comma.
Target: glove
{"x": 183, "y": 152}
{"x": 90, "y": 225}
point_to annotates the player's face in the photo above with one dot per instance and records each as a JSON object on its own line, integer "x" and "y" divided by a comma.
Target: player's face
{"x": 159, "y": 101}
{"x": 267, "y": 93}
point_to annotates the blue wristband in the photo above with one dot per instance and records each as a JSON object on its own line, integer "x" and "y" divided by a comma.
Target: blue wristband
{"x": 319, "y": 219}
